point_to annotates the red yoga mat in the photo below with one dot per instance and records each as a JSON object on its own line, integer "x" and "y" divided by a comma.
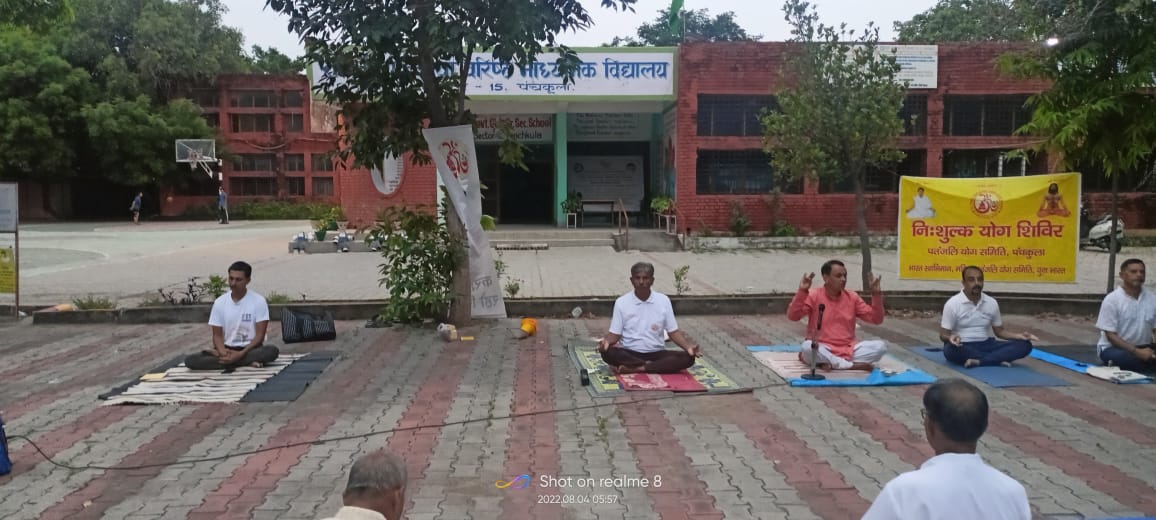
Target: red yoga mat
{"x": 677, "y": 382}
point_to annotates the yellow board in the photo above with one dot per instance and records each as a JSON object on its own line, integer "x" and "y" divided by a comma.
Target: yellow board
{"x": 1017, "y": 229}
{"x": 7, "y": 271}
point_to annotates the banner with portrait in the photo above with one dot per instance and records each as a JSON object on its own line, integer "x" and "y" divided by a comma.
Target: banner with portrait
{"x": 455, "y": 155}
{"x": 1017, "y": 229}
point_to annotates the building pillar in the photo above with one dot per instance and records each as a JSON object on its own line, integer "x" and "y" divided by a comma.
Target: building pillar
{"x": 561, "y": 165}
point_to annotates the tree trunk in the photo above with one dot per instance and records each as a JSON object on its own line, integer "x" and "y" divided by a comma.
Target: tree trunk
{"x": 1112, "y": 237}
{"x": 462, "y": 303}
{"x": 861, "y": 224}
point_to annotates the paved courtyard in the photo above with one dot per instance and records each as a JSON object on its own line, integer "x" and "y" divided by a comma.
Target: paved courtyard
{"x": 1083, "y": 451}
{"x": 129, "y": 263}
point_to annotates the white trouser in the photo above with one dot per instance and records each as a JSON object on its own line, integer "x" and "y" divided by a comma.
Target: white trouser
{"x": 870, "y": 351}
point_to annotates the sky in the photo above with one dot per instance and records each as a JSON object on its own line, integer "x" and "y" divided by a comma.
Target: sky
{"x": 262, "y": 26}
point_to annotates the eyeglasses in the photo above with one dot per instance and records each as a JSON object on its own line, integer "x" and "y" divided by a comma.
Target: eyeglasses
{"x": 923, "y": 412}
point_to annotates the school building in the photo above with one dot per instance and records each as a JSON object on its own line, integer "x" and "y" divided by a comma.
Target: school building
{"x": 640, "y": 123}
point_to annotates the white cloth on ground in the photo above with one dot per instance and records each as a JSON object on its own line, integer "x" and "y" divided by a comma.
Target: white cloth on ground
{"x": 870, "y": 351}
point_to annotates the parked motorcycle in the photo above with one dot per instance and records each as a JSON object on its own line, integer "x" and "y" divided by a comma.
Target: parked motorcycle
{"x": 1098, "y": 233}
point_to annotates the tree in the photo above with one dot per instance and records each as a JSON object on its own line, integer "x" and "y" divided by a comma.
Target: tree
{"x": 697, "y": 26}
{"x": 1100, "y": 109}
{"x": 35, "y": 14}
{"x": 840, "y": 114}
{"x": 153, "y": 47}
{"x": 394, "y": 66}
{"x": 130, "y": 141}
{"x": 40, "y": 97}
{"x": 272, "y": 61}
{"x": 966, "y": 21}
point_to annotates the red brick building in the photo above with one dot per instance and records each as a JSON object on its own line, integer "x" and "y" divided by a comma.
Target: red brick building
{"x": 632, "y": 129}
{"x": 275, "y": 141}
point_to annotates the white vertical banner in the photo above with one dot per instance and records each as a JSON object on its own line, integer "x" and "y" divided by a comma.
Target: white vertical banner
{"x": 388, "y": 179}
{"x": 453, "y": 151}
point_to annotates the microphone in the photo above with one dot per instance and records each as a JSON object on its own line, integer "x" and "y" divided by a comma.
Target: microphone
{"x": 815, "y": 347}
{"x": 819, "y": 324}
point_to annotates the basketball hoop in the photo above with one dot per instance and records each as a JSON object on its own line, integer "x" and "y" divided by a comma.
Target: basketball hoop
{"x": 198, "y": 152}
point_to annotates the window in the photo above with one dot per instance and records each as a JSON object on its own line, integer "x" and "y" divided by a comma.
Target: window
{"x": 735, "y": 172}
{"x": 205, "y": 98}
{"x": 254, "y": 99}
{"x": 323, "y": 186}
{"x": 254, "y": 162}
{"x": 987, "y": 163}
{"x": 881, "y": 180}
{"x": 984, "y": 115}
{"x": 721, "y": 115}
{"x": 294, "y": 122}
{"x": 212, "y": 119}
{"x": 295, "y": 186}
{"x": 322, "y": 162}
{"x": 252, "y": 122}
{"x": 1141, "y": 179}
{"x": 295, "y": 162}
{"x": 294, "y": 98}
{"x": 914, "y": 115}
{"x": 252, "y": 186}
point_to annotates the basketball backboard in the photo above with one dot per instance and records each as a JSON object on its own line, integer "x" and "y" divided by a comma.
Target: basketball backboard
{"x": 196, "y": 150}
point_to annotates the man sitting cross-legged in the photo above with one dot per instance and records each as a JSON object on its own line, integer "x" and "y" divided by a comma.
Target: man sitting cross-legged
{"x": 641, "y": 317}
{"x": 837, "y": 346}
{"x": 966, "y": 319}
{"x": 239, "y": 320}
{"x": 1127, "y": 322}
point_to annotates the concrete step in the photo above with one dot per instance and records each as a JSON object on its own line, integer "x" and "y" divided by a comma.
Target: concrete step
{"x": 647, "y": 240}
{"x": 536, "y": 243}
{"x": 549, "y": 234}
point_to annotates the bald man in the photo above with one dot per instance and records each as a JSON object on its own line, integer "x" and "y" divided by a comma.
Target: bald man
{"x": 376, "y": 489}
{"x": 955, "y": 484}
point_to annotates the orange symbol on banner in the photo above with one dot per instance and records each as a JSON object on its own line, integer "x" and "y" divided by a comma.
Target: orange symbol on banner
{"x": 986, "y": 204}
{"x": 456, "y": 161}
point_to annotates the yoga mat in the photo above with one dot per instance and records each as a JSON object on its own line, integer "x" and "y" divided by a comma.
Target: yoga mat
{"x": 783, "y": 360}
{"x": 1076, "y": 358}
{"x": 181, "y": 385}
{"x": 999, "y": 377}
{"x": 604, "y": 383}
{"x": 677, "y": 382}
{"x": 154, "y": 374}
{"x": 291, "y": 382}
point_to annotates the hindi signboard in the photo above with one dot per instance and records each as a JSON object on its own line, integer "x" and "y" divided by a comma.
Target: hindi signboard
{"x": 607, "y": 74}
{"x": 7, "y": 270}
{"x": 1017, "y": 229}
{"x": 918, "y": 64}
{"x": 9, "y": 207}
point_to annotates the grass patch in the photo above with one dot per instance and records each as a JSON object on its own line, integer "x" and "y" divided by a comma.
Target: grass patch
{"x": 93, "y": 303}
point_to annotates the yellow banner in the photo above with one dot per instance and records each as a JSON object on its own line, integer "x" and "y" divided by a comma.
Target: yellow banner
{"x": 7, "y": 271}
{"x": 1017, "y": 229}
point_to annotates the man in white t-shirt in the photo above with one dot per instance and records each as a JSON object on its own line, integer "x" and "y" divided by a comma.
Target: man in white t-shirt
{"x": 642, "y": 319}
{"x": 239, "y": 320}
{"x": 967, "y": 316}
{"x": 1127, "y": 322}
{"x": 955, "y": 484}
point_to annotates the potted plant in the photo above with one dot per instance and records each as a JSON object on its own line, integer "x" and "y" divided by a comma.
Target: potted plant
{"x": 662, "y": 205}
{"x": 572, "y": 203}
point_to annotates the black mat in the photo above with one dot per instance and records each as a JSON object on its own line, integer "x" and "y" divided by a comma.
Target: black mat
{"x": 1085, "y": 354}
{"x": 172, "y": 363}
{"x": 291, "y": 382}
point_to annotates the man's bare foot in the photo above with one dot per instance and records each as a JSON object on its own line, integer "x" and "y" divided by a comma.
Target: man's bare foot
{"x": 256, "y": 364}
{"x": 1006, "y": 364}
{"x": 629, "y": 369}
{"x": 971, "y": 363}
{"x": 862, "y": 366}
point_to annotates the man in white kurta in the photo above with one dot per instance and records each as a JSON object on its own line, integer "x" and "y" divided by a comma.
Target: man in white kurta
{"x": 955, "y": 484}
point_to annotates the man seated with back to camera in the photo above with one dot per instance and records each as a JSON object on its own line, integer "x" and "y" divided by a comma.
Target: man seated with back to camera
{"x": 635, "y": 341}
{"x": 837, "y": 347}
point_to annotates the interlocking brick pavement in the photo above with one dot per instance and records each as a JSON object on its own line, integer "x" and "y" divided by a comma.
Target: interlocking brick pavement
{"x": 1083, "y": 450}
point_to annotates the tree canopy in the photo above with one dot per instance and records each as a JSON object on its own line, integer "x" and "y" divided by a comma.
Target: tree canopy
{"x": 93, "y": 88}
{"x": 697, "y": 25}
{"x": 966, "y": 21}
{"x": 272, "y": 61}
{"x": 839, "y": 114}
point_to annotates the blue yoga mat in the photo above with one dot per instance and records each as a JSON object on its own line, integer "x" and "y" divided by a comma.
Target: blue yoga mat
{"x": 1060, "y": 361}
{"x": 913, "y": 376}
{"x": 999, "y": 377}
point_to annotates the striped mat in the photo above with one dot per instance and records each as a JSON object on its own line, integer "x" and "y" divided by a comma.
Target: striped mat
{"x": 181, "y": 385}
